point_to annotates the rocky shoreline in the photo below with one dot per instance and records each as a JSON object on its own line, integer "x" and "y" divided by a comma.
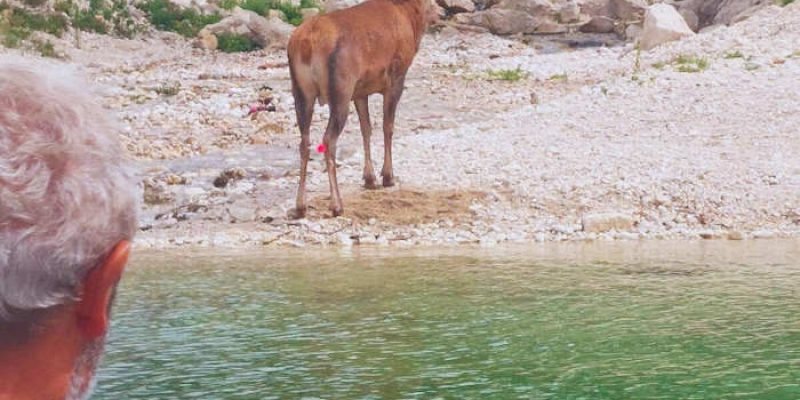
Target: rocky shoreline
{"x": 571, "y": 137}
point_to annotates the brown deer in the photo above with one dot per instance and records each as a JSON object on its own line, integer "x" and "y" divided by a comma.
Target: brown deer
{"x": 345, "y": 56}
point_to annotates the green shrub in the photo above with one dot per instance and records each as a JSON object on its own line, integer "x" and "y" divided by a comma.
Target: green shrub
{"x": 45, "y": 48}
{"x": 292, "y": 13}
{"x": 785, "y": 2}
{"x": 87, "y": 21}
{"x": 228, "y": 4}
{"x": 34, "y": 3}
{"x": 168, "y": 17}
{"x": 13, "y": 36}
{"x": 230, "y": 43}
{"x": 17, "y": 27}
{"x": 257, "y": 6}
{"x": 101, "y": 17}
{"x": 53, "y": 24}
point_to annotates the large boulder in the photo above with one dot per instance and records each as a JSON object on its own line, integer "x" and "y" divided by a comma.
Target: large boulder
{"x": 691, "y": 18}
{"x": 593, "y": 8}
{"x": 606, "y": 16}
{"x": 599, "y": 24}
{"x": 266, "y": 33}
{"x": 457, "y": 6}
{"x": 534, "y": 8}
{"x": 569, "y": 12}
{"x": 628, "y": 11}
{"x": 600, "y": 18}
{"x": 501, "y": 21}
{"x": 308, "y": 13}
{"x": 662, "y": 24}
{"x": 334, "y": 5}
{"x": 528, "y": 16}
{"x": 732, "y": 11}
{"x": 720, "y": 12}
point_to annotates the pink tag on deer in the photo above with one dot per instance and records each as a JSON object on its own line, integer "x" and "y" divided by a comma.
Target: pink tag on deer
{"x": 322, "y": 148}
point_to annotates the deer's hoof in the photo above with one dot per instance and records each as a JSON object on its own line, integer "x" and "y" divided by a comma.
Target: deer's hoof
{"x": 337, "y": 211}
{"x": 297, "y": 213}
{"x": 370, "y": 184}
{"x": 388, "y": 181}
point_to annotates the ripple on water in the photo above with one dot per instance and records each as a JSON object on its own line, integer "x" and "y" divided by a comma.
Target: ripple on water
{"x": 698, "y": 323}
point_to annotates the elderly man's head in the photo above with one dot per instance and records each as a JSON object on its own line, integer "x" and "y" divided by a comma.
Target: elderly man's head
{"x": 67, "y": 214}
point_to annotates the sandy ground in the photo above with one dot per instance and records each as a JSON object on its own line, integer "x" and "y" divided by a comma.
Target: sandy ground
{"x": 597, "y": 133}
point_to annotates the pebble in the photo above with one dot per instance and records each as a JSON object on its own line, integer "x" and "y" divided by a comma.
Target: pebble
{"x": 623, "y": 159}
{"x": 763, "y": 234}
{"x": 735, "y": 235}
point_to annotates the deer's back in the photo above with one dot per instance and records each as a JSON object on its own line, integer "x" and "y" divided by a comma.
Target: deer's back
{"x": 372, "y": 42}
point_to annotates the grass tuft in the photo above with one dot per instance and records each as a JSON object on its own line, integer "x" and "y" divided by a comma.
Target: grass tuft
{"x": 168, "y": 89}
{"x": 508, "y": 75}
{"x": 733, "y": 54}
{"x": 691, "y": 64}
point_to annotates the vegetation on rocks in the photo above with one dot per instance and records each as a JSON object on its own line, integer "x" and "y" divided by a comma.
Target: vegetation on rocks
{"x": 107, "y": 17}
{"x": 167, "y": 16}
{"x": 230, "y": 43}
{"x": 18, "y": 23}
{"x": 17, "y": 26}
{"x": 293, "y": 13}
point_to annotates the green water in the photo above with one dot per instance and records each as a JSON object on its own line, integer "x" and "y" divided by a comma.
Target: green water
{"x": 660, "y": 320}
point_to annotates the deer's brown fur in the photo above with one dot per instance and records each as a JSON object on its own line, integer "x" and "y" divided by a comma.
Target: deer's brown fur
{"x": 346, "y": 56}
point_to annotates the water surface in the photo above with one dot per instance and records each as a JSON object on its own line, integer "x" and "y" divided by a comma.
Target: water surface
{"x": 655, "y": 320}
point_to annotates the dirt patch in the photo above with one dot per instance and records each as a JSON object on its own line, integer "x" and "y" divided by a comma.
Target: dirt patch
{"x": 403, "y": 206}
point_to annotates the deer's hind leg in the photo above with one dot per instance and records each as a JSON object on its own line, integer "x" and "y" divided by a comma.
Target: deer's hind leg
{"x": 340, "y": 95}
{"x": 391, "y": 98}
{"x": 362, "y": 108}
{"x": 304, "y": 108}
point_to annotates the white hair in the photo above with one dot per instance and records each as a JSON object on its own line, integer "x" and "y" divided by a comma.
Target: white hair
{"x": 67, "y": 194}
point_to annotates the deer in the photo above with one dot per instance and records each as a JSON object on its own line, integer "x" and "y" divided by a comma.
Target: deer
{"x": 348, "y": 55}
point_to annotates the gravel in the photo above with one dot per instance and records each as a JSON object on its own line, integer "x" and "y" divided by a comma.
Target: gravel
{"x": 587, "y": 133}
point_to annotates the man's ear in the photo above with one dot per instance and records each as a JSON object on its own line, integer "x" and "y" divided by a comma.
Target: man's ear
{"x": 97, "y": 290}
